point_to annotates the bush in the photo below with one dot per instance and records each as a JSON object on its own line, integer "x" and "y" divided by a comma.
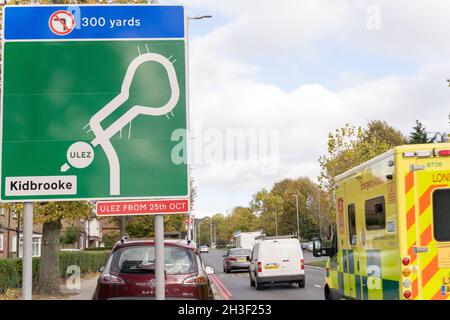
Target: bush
{"x": 87, "y": 261}
{"x": 111, "y": 238}
{"x": 8, "y": 275}
{"x": 70, "y": 236}
{"x": 99, "y": 249}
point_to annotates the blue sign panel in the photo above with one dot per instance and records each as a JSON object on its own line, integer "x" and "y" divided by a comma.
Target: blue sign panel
{"x": 94, "y": 22}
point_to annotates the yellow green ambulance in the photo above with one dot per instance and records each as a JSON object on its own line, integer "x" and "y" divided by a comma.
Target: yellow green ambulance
{"x": 392, "y": 237}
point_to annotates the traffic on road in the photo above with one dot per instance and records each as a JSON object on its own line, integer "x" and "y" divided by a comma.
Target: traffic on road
{"x": 235, "y": 285}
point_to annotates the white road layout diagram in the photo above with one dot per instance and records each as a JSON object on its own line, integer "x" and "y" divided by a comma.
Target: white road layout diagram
{"x": 103, "y": 135}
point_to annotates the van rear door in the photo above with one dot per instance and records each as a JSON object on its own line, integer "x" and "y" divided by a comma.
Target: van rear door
{"x": 271, "y": 259}
{"x": 431, "y": 223}
{"x": 291, "y": 257}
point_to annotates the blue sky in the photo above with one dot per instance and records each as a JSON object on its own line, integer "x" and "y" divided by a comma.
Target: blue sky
{"x": 304, "y": 68}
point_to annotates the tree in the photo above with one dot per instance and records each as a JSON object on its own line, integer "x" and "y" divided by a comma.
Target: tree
{"x": 110, "y": 239}
{"x": 349, "y": 147}
{"x": 310, "y": 218}
{"x": 378, "y": 130}
{"x": 51, "y": 214}
{"x": 268, "y": 208}
{"x": 142, "y": 226}
{"x": 70, "y": 235}
{"x": 205, "y": 231}
{"x": 419, "y": 134}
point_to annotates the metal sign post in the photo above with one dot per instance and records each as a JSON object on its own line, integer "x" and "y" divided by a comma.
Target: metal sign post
{"x": 159, "y": 257}
{"x": 27, "y": 259}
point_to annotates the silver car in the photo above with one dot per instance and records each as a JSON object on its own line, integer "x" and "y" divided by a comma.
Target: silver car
{"x": 237, "y": 258}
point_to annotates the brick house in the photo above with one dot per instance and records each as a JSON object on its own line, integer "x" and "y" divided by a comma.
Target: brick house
{"x": 108, "y": 225}
{"x": 11, "y": 239}
{"x": 89, "y": 234}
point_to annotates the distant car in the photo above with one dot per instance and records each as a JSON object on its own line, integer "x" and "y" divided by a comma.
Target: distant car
{"x": 310, "y": 246}
{"x": 236, "y": 259}
{"x": 130, "y": 272}
{"x": 277, "y": 260}
{"x": 204, "y": 249}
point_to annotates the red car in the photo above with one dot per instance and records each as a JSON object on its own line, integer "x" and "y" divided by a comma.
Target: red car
{"x": 130, "y": 272}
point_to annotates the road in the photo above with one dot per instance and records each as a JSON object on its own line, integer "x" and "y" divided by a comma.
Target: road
{"x": 237, "y": 283}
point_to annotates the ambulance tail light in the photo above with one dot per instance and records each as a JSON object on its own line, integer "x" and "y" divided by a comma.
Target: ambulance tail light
{"x": 406, "y": 261}
{"x": 302, "y": 264}
{"x": 406, "y": 272}
{"x": 407, "y": 294}
{"x": 259, "y": 267}
{"x": 444, "y": 153}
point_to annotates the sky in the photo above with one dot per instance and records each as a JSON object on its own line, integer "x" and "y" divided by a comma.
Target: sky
{"x": 291, "y": 71}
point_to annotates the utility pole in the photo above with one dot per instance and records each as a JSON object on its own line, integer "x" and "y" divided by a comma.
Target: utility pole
{"x": 319, "y": 215}
{"x": 88, "y": 232}
{"x": 298, "y": 221}
{"x": 122, "y": 225}
{"x": 276, "y": 224}
{"x": 211, "y": 232}
{"x": 197, "y": 235}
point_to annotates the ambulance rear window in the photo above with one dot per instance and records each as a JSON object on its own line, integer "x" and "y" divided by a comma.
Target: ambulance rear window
{"x": 441, "y": 215}
{"x": 375, "y": 214}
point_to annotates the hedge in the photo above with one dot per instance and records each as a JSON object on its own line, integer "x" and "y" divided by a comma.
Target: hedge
{"x": 99, "y": 249}
{"x": 87, "y": 261}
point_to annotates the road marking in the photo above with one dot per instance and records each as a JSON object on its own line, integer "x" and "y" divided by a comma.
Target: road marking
{"x": 225, "y": 293}
{"x": 317, "y": 286}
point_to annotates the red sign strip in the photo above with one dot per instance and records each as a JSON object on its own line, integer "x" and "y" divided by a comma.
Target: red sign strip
{"x": 142, "y": 207}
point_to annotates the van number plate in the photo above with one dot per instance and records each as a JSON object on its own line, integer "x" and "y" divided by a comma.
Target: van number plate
{"x": 271, "y": 267}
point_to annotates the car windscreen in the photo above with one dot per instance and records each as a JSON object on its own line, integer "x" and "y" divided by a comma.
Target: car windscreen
{"x": 141, "y": 260}
{"x": 240, "y": 252}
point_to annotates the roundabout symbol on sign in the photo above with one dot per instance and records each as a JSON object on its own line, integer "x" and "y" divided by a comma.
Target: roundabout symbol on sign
{"x": 61, "y": 22}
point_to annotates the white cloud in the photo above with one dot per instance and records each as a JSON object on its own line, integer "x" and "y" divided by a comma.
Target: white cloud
{"x": 226, "y": 91}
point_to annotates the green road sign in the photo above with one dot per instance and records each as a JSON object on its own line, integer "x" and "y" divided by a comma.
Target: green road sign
{"x": 88, "y": 112}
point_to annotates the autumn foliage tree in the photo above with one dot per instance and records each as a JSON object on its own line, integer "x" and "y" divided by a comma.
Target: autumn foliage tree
{"x": 349, "y": 147}
{"x": 50, "y": 214}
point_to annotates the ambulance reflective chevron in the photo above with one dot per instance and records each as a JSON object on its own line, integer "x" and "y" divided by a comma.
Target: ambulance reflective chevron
{"x": 392, "y": 238}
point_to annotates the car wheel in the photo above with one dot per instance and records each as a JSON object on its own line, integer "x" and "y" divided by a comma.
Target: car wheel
{"x": 301, "y": 284}
{"x": 258, "y": 285}
{"x": 252, "y": 282}
{"x": 328, "y": 295}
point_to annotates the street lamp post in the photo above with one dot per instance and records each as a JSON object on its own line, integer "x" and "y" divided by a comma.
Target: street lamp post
{"x": 298, "y": 221}
{"x": 319, "y": 216}
{"x": 211, "y": 232}
{"x": 276, "y": 224}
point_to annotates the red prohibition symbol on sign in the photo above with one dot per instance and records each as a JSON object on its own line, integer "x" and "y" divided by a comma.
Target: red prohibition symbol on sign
{"x": 61, "y": 22}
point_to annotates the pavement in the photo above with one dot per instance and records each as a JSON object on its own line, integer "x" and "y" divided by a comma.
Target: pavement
{"x": 87, "y": 290}
{"x": 236, "y": 285}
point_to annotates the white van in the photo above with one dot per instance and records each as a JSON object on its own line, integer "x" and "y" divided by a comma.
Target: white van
{"x": 276, "y": 260}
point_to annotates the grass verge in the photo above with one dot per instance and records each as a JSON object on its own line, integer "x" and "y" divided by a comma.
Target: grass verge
{"x": 317, "y": 263}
